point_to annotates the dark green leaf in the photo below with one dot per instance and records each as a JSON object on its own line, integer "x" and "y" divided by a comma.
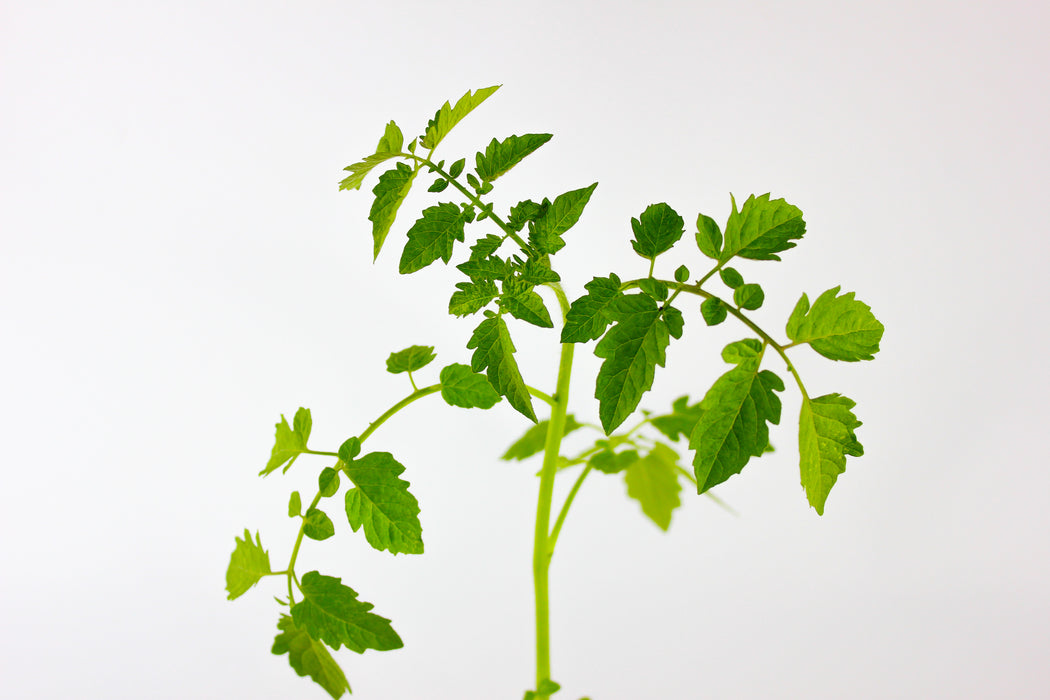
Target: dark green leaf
{"x": 432, "y": 237}
{"x": 527, "y": 305}
{"x": 708, "y": 237}
{"x": 289, "y": 443}
{"x": 410, "y": 359}
{"x": 587, "y": 318}
{"x": 317, "y": 525}
{"x": 837, "y": 327}
{"x": 439, "y": 185}
{"x": 653, "y": 482}
{"x": 485, "y": 246}
{"x": 537, "y": 272}
{"x": 350, "y": 448}
{"x": 295, "y": 505}
{"x": 731, "y": 277}
{"x": 491, "y": 268}
{"x": 749, "y": 296}
{"x": 461, "y": 386}
{"x": 762, "y": 228}
{"x": 390, "y": 192}
{"x": 501, "y": 156}
{"x": 309, "y": 658}
{"x": 331, "y": 613}
{"x": 825, "y": 437}
{"x": 732, "y": 427}
{"x": 448, "y": 116}
{"x": 562, "y": 214}
{"x": 656, "y": 230}
{"x": 471, "y": 297}
{"x": 248, "y": 563}
{"x": 680, "y": 421}
{"x": 525, "y": 212}
{"x": 328, "y": 482}
{"x": 681, "y": 274}
{"x": 382, "y": 504}
{"x": 609, "y": 462}
{"x": 654, "y": 288}
{"x": 535, "y": 438}
{"x": 713, "y": 311}
{"x": 457, "y": 167}
{"x": 494, "y": 350}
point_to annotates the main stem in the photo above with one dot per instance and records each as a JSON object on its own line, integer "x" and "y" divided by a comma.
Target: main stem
{"x": 541, "y": 552}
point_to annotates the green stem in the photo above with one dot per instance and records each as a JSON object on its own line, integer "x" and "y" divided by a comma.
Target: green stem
{"x": 546, "y": 398}
{"x": 553, "y": 539}
{"x": 295, "y": 549}
{"x": 414, "y": 396}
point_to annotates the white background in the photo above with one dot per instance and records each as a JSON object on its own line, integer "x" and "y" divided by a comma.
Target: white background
{"x": 178, "y": 269}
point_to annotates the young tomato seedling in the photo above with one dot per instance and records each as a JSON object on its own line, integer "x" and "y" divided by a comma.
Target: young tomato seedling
{"x": 634, "y": 320}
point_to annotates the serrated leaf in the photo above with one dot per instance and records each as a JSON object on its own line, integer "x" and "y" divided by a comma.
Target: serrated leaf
{"x": 248, "y": 564}
{"x": 461, "y": 386}
{"x": 825, "y": 437}
{"x": 587, "y": 318}
{"x": 732, "y": 427}
{"x": 432, "y": 236}
{"x": 392, "y": 140}
{"x": 749, "y": 296}
{"x": 289, "y": 442}
{"x": 536, "y": 272}
{"x": 410, "y": 359}
{"x": 331, "y": 613}
{"x": 653, "y": 482}
{"x": 328, "y": 482}
{"x": 295, "y": 505}
{"x": 485, "y": 246}
{"x": 438, "y": 185}
{"x": 762, "y": 228}
{"x": 317, "y": 525}
{"x": 713, "y": 310}
{"x": 501, "y": 156}
{"x": 360, "y": 170}
{"x": 680, "y": 421}
{"x": 632, "y": 349}
{"x": 381, "y": 503}
{"x": 837, "y": 327}
{"x": 708, "y": 237}
{"x": 471, "y": 297}
{"x": 657, "y": 229}
{"x": 491, "y": 268}
{"x": 308, "y": 657}
{"x": 524, "y": 212}
{"x": 494, "y": 351}
{"x": 448, "y": 116}
{"x": 526, "y": 305}
{"x": 389, "y": 193}
{"x": 534, "y": 439}
{"x": 545, "y": 233}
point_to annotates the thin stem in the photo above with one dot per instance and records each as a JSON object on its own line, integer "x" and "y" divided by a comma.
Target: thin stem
{"x": 718, "y": 501}
{"x": 414, "y": 396}
{"x": 553, "y": 539}
{"x": 319, "y": 452}
{"x": 545, "y": 397}
{"x": 295, "y": 549}
{"x": 412, "y": 382}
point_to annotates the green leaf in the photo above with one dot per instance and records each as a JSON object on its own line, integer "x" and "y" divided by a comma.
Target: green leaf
{"x": 560, "y": 215}
{"x": 731, "y": 277}
{"x": 494, "y": 350}
{"x": 527, "y": 305}
{"x": 535, "y": 438}
{"x": 681, "y": 274}
{"x": 328, "y": 482}
{"x": 382, "y": 504}
{"x": 317, "y": 525}
{"x": 289, "y": 443}
{"x": 438, "y": 185}
{"x": 248, "y": 563}
{"x": 485, "y": 246}
{"x": 713, "y": 310}
{"x": 456, "y": 168}
{"x": 390, "y": 192}
{"x": 461, "y": 386}
{"x": 588, "y": 316}
{"x": 524, "y": 212}
{"x": 432, "y": 236}
{"x": 331, "y": 613}
{"x": 654, "y": 288}
{"x": 657, "y": 229}
{"x": 837, "y": 327}
{"x": 749, "y": 296}
{"x": 761, "y": 229}
{"x": 295, "y": 505}
{"x": 609, "y": 462}
{"x": 309, "y": 658}
{"x": 360, "y": 170}
{"x": 732, "y": 427}
{"x": 632, "y": 349}
{"x": 448, "y": 116}
{"x": 491, "y": 268}
{"x": 708, "y": 237}
{"x": 653, "y": 482}
{"x": 350, "y": 448}
{"x": 680, "y": 421}
{"x": 392, "y": 140}
{"x": 471, "y": 297}
{"x": 535, "y": 272}
{"x": 826, "y": 436}
{"x": 501, "y": 156}
{"x": 410, "y": 359}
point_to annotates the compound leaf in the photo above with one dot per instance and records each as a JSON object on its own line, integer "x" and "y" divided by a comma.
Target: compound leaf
{"x": 308, "y": 657}
{"x": 560, "y": 215}
{"x": 535, "y": 438}
{"x": 381, "y": 503}
{"x": 653, "y": 482}
{"x": 837, "y": 327}
{"x": 587, "y": 318}
{"x": 390, "y": 192}
{"x": 501, "y": 156}
{"x": 761, "y": 229}
{"x": 461, "y": 386}
{"x": 331, "y": 613}
{"x": 826, "y": 436}
{"x": 289, "y": 442}
{"x": 431, "y": 237}
{"x": 248, "y": 563}
{"x": 410, "y": 359}
{"x": 448, "y": 116}
{"x": 494, "y": 351}
{"x": 657, "y": 229}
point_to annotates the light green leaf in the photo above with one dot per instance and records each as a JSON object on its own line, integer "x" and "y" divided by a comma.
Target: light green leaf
{"x": 382, "y": 504}
{"x": 461, "y": 386}
{"x": 289, "y": 443}
{"x": 732, "y": 427}
{"x": 480, "y": 269}
{"x": 653, "y": 482}
{"x": 248, "y": 563}
{"x": 448, "y": 116}
{"x": 331, "y": 613}
{"x": 749, "y": 296}
{"x": 826, "y": 436}
{"x": 731, "y": 277}
{"x": 708, "y": 237}
{"x": 560, "y": 215}
{"x": 328, "y": 482}
{"x": 587, "y": 318}
{"x": 295, "y": 505}
{"x": 657, "y": 229}
{"x": 390, "y": 192}
{"x": 309, "y": 658}
{"x": 317, "y": 525}
{"x": 501, "y": 156}
{"x": 411, "y": 359}
{"x": 609, "y": 462}
{"x": 761, "y": 229}
{"x": 392, "y": 140}
{"x": 837, "y": 327}
{"x": 680, "y": 421}
{"x": 471, "y": 297}
{"x": 535, "y": 438}
{"x": 527, "y": 305}
{"x": 494, "y": 350}
{"x": 432, "y": 236}
{"x": 360, "y": 170}
{"x": 713, "y": 310}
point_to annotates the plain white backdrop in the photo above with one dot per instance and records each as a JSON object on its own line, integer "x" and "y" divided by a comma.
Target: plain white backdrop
{"x": 178, "y": 269}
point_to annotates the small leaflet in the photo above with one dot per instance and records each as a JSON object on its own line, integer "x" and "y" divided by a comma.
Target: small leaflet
{"x": 713, "y": 310}
{"x": 680, "y": 421}
{"x": 500, "y": 156}
{"x": 392, "y": 139}
{"x": 837, "y": 327}
{"x": 411, "y": 359}
{"x": 381, "y": 503}
{"x": 248, "y": 564}
{"x": 761, "y": 229}
{"x": 328, "y": 482}
{"x": 389, "y": 193}
{"x": 535, "y": 438}
{"x": 448, "y": 116}
{"x": 471, "y": 297}
{"x": 657, "y": 229}
{"x": 462, "y": 387}
{"x": 560, "y": 215}
{"x": 308, "y": 657}
{"x": 708, "y": 237}
{"x": 609, "y": 462}
{"x": 331, "y": 613}
{"x": 749, "y": 296}
{"x": 494, "y": 352}
{"x": 588, "y": 316}
{"x": 653, "y": 482}
{"x": 295, "y": 505}
{"x": 290, "y": 441}
{"x": 731, "y": 277}
{"x": 317, "y": 525}
{"x": 432, "y": 236}
{"x": 826, "y": 437}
